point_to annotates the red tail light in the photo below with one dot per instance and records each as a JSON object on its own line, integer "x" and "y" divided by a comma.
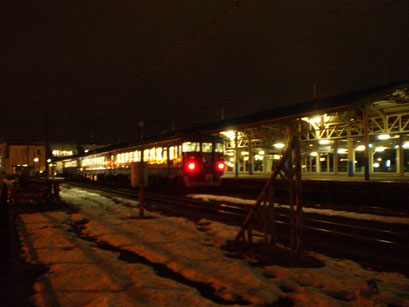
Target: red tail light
{"x": 220, "y": 166}
{"x": 191, "y": 166}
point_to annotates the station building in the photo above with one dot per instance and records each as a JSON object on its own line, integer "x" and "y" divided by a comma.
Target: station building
{"x": 335, "y": 134}
{"x": 22, "y": 157}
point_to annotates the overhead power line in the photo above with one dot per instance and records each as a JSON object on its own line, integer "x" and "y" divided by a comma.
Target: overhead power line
{"x": 336, "y": 25}
{"x": 163, "y": 59}
{"x": 291, "y": 31}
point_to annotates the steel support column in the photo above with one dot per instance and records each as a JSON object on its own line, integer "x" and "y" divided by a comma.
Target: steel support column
{"x": 236, "y": 154}
{"x": 350, "y": 145}
{"x": 336, "y": 157}
{"x": 366, "y": 142}
{"x": 250, "y": 163}
{"x": 401, "y": 156}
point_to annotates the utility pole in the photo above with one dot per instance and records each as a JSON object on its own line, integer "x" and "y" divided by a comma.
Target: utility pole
{"x": 140, "y": 126}
{"x": 141, "y": 183}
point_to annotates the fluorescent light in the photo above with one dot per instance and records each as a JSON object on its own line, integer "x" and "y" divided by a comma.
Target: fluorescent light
{"x": 360, "y": 148}
{"x": 383, "y": 136}
{"x": 314, "y": 154}
{"x": 323, "y": 142}
{"x": 230, "y": 134}
{"x": 279, "y": 145}
{"x": 342, "y": 151}
{"x": 380, "y": 149}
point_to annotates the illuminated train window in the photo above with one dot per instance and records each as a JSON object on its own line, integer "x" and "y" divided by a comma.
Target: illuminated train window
{"x": 219, "y": 147}
{"x": 137, "y": 156}
{"x": 191, "y": 147}
{"x": 159, "y": 154}
{"x": 207, "y": 147}
{"x": 173, "y": 152}
{"x": 146, "y": 156}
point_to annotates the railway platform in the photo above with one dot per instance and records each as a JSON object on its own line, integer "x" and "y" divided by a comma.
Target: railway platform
{"x": 379, "y": 191}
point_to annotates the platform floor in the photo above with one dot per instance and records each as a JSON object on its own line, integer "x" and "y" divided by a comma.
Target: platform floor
{"x": 331, "y": 177}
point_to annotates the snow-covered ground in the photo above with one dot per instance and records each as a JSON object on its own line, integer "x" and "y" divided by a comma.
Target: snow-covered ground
{"x": 328, "y": 212}
{"x": 81, "y": 272}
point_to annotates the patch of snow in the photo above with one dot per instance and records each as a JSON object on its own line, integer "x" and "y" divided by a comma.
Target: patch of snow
{"x": 80, "y": 273}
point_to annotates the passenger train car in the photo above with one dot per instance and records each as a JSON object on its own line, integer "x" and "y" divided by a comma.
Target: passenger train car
{"x": 189, "y": 160}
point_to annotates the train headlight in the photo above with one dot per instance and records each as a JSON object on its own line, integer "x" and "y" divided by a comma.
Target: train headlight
{"x": 220, "y": 166}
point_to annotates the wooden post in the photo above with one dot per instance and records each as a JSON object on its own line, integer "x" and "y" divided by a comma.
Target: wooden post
{"x": 272, "y": 217}
{"x": 141, "y": 186}
{"x": 289, "y": 169}
{"x": 298, "y": 200}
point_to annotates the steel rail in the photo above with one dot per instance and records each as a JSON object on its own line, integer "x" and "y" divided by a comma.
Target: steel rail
{"x": 380, "y": 237}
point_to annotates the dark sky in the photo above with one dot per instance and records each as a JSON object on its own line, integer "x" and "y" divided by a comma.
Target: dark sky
{"x": 76, "y": 54}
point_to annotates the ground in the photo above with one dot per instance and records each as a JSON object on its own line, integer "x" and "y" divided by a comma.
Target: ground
{"x": 99, "y": 253}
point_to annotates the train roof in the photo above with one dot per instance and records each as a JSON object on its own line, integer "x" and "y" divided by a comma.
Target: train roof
{"x": 162, "y": 140}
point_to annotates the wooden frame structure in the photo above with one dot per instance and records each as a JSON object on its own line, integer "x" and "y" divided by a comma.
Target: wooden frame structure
{"x": 264, "y": 213}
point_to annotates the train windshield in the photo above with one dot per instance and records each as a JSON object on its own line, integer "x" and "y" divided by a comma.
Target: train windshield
{"x": 219, "y": 147}
{"x": 191, "y": 147}
{"x": 207, "y": 147}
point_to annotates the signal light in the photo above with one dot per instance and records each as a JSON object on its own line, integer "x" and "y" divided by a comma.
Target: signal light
{"x": 220, "y": 166}
{"x": 191, "y": 166}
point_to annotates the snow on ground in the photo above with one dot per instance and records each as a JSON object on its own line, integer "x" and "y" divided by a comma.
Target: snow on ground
{"x": 328, "y": 212}
{"x": 81, "y": 273}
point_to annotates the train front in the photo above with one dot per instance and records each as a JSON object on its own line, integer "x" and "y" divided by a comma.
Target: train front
{"x": 203, "y": 161}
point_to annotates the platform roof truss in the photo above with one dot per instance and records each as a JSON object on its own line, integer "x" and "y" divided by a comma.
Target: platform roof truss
{"x": 244, "y": 143}
{"x": 379, "y": 124}
{"x": 336, "y": 128}
{"x": 396, "y": 123}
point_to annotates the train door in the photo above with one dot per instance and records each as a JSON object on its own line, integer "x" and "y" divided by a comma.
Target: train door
{"x": 208, "y": 160}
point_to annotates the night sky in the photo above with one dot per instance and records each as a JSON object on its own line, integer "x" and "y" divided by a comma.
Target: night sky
{"x": 83, "y": 58}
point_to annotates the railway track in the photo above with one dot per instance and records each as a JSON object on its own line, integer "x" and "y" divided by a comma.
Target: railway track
{"x": 374, "y": 244}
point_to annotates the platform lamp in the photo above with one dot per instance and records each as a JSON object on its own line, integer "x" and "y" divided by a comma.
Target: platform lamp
{"x": 36, "y": 160}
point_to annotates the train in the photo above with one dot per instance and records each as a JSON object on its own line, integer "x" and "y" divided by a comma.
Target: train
{"x": 188, "y": 160}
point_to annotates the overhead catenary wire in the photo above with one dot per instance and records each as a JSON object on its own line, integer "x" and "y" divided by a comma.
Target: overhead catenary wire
{"x": 313, "y": 35}
{"x": 159, "y": 62}
{"x": 297, "y": 28}
{"x": 203, "y": 30}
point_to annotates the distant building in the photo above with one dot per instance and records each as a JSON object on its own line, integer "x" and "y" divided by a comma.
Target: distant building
{"x": 19, "y": 157}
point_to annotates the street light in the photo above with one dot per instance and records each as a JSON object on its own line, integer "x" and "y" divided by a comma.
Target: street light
{"x": 36, "y": 160}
